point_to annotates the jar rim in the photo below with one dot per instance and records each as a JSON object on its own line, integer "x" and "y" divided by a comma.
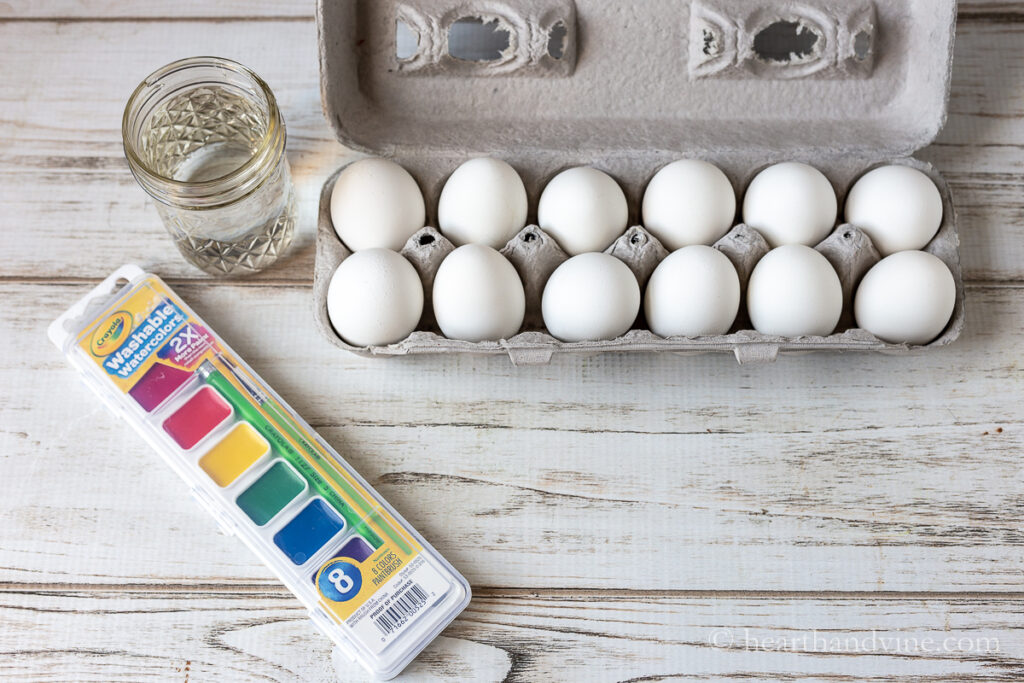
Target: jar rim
{"x": 272, "y": 138}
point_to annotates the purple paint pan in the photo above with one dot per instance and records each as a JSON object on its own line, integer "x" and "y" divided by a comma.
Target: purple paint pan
{"x": 159, "y": 382}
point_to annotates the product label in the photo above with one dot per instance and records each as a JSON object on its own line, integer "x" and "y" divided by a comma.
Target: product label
{"x": 394, "y": 607}
{"x": 187, "y": 347}
{"x": 144, "y": 340}
{"x": 148, "y": 325}
{"x": 110, "y": 333}
{"x": 347, "y": 584}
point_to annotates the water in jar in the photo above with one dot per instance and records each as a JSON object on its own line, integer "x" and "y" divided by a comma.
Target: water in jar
{"x": 206, "y": 134}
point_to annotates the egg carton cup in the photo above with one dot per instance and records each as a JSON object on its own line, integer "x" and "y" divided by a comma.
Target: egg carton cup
{"x": 630, "y": 89}
{"x": 536, "y": 255}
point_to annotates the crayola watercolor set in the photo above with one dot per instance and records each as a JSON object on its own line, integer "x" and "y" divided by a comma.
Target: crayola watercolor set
{"x": 371, "y": 583}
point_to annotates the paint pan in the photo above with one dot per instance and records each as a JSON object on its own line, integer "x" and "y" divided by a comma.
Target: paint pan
{"x": 354, "y": 548}
{"x": 309, "y": 531}
{"x": 197, "y": 417}
{"x": 230, "y": 457}
{"x": 271, "y": 493}
{"x": 159, "y": 382}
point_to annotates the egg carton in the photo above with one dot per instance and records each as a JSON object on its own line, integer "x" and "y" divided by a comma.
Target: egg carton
{"x": 872, "y": 90}
{"x": 536, "y": 255}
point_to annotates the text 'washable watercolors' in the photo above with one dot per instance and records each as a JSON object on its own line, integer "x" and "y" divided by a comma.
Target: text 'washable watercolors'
{"x": 159, "y": 382}
{"x": 268, "y": 495}
{"x": 309, "y": 531}
{"x": 197, "y": 417}
{"x": 234, "y": 454}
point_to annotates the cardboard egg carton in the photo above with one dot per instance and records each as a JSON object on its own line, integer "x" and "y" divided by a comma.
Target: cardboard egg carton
{"x": 628, "y": 88}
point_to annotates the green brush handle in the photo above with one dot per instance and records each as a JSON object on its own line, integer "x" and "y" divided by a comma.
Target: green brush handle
{"x": 288, "y": 425}
{"x": 251, "y": 414}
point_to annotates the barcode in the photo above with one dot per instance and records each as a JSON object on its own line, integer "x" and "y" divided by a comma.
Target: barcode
{"x": 406, "y": 604}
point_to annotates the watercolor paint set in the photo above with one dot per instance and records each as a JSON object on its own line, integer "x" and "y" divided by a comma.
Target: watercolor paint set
{"x": 371, "y": 583}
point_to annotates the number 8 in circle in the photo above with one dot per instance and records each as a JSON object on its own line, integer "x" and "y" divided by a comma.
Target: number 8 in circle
{"x": 339, "y": 580}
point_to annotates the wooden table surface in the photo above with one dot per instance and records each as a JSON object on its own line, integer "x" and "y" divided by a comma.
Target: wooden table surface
{"x": 827, "y": 517}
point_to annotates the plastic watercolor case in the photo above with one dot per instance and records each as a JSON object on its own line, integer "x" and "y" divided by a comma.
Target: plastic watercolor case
{"x": 628, "y": 88}
{"x": 371, "y": 583}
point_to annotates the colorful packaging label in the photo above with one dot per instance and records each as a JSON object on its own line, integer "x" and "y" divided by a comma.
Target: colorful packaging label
{"x": 146, "y": 326}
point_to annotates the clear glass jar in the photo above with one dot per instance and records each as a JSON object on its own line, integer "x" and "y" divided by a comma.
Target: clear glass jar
{"x": 204, "y": 137}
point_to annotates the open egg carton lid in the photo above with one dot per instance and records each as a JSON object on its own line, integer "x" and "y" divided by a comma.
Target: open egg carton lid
{"x": 627, "y": 88}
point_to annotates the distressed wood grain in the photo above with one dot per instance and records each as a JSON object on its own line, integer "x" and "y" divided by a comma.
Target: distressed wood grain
{"x": 969, "y": 10}
{"x": 157, "y": 10}
{"x": 862, "y": 472}
{"x": 63, "y": 178}
{"x": 513, "y": 636}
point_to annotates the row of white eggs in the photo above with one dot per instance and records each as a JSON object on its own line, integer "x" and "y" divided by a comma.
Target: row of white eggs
{"x": 376, "y": 298}
{"x": 377, "y": 203}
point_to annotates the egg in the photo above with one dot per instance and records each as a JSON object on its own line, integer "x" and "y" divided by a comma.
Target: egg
{"x": 906, "y": 298}
{"x": 689, "y": 202}
{"x": 590, "y": 297}
{"x": 483, "y": 202}
{"x": 375, "y": 203}
{"x": 791, "y": 203}
{"x": 375, "y": 298}
{"x": 478, "y": 295}
{"x": 793, "y": 292}
{"x": 898, "y": 207}
{"x": 695, "y": 291}
{"x": 583, "y": 209}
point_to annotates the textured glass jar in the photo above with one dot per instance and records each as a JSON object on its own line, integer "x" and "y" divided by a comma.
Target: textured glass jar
{"x": 204, "y": 137}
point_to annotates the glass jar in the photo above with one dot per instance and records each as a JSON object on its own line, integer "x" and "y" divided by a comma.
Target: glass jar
{"x": 204, "y": 137}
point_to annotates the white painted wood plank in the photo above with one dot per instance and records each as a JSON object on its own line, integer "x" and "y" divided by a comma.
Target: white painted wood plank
{"x": 972, "y": 8}
{"x": 64, "y": 183}
{"x": 860, "y": 472}
{"x": 981, "y": 149}
{"x": 263, "y": 635}
{"x": 156, "y": 9}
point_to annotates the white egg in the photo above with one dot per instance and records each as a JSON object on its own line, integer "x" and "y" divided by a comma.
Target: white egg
{"x": 695, "y": 291}
{"x": 483, "y": 202}
{"x": 375, "y": 298}
{"x": 793, "y": 292}
{"x": 583, "y": 209}
{"x": 376, "y": 204}
{"x": 907, "y": 298}
{"x": 478, "y": 295}
{"x": 791, "y": 203}
{"x": 689, "y": 202}
{"x": 898, "y": 207}
{"x": 590, "y": 297}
